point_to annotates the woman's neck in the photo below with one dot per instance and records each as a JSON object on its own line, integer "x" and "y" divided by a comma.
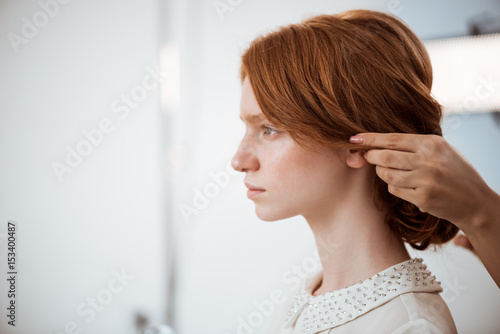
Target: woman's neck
{"x": 353, "y": 244}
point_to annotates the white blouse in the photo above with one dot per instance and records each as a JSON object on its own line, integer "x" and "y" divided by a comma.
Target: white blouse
{"x": 401, "y": 299}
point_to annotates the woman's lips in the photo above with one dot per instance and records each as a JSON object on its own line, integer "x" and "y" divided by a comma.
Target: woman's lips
{"x": 253, "y": 191}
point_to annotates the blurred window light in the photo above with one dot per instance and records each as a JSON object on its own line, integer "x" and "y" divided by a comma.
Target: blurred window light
{"x": 170, "y": 88}
{"x": 466, "y": 73}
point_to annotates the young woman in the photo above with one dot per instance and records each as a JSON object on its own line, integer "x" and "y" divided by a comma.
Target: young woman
{"x": 306, "y": 88}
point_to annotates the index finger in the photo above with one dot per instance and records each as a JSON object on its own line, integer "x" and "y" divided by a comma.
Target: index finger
{"x": 396, "y": 141}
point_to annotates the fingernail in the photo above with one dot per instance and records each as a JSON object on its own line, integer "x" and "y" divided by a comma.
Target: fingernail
{"x": 364, "y": 155}
{"x": 357, "y": 139}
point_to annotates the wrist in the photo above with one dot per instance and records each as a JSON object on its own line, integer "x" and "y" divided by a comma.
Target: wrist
{"x": 485, "y": 214}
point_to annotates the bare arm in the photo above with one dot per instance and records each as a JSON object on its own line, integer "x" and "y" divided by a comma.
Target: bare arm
{"x": 483, "y": 232}
{"x": 428, "y": 172}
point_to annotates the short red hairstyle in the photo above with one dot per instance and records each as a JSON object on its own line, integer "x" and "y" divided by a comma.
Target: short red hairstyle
{"x": 333, "y": 76}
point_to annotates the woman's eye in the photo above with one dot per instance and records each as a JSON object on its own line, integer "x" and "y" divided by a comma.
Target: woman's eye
{"x": 269, "y": 130}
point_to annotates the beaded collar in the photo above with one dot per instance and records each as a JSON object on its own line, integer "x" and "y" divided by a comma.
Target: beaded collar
{"x": 314, "y": 314}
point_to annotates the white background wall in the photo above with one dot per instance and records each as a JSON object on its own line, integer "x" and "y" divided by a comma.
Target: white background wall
{"x": 114, "y": 210}
{"x": 107, "y": 214}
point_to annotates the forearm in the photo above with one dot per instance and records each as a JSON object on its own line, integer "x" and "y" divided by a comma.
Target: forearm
{"x": 483, "y": 231}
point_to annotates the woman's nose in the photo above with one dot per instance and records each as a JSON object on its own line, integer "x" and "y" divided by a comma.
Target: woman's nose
{"x": 245, "y": 158}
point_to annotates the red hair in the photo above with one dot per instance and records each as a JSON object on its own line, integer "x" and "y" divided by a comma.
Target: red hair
{"x": 333, "y": 76}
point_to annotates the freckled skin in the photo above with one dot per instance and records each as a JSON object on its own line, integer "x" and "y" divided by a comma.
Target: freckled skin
{"x": 329, "y": 187}
{"x": 297, "y": 181}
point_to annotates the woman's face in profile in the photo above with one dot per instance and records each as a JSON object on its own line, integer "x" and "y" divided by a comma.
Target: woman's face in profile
{"x": 288, "y": 179}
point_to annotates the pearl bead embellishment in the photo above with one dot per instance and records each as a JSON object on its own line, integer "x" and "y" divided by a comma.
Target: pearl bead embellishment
{"x": 314, "y": 314}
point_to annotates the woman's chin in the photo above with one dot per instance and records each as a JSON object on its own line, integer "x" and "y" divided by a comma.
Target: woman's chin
{"x": 270, "y": 215}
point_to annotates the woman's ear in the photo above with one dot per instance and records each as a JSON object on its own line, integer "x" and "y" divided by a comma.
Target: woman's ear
{"x": 355, "y": 159}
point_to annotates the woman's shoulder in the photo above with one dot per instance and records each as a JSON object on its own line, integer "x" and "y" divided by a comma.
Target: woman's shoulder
{"x": 426, "y": 312}
{"x": 408, "y": 313}
{"x": 415, "y": 312}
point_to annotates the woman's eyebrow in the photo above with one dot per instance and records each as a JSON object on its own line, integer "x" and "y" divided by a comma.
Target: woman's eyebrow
{"x": 252, "y": 118}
